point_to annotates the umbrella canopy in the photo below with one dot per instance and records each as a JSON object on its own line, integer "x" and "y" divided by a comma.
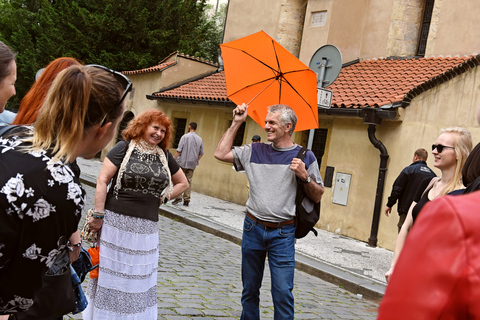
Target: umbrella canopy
{"x": 260, "y": 72}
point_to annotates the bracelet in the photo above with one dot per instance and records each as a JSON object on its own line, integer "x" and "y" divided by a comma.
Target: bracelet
{"x": 96, "y": 214}
{"x": 72, "y": 247}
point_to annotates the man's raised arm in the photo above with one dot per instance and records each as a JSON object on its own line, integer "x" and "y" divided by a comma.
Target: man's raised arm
{"x": 224, "y": 147}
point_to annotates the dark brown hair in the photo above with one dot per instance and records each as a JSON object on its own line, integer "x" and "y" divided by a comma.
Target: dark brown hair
{"x": 6, "y": 57}
{"x": 471, "y": 168}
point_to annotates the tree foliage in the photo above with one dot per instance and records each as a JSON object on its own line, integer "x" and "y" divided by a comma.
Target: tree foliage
{"x": 120, "y": 34}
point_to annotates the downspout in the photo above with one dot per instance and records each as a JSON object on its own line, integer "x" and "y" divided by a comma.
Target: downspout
{"x": 372, "y": 241}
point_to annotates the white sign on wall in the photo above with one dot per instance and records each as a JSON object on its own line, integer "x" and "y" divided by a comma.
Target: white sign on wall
{"x": 341, "y": 188}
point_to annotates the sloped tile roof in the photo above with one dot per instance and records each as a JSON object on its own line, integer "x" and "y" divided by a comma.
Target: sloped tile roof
{"x": 370, "y": 83}
{"x": 162, "y": 65}
{"x": 375, "y": 83}
{"x": 211, "y": 88}
{"x": 159, "y": 67}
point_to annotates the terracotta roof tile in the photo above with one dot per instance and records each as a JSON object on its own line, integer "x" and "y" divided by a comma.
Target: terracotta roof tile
{"x": 379, "y": 82}
{"x": 211, "y": 87}
{"x": 159, "y": 67}
{"x": 370, "y": 83}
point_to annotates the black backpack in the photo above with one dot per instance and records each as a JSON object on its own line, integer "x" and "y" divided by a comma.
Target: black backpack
{"x": 307, "y": 212}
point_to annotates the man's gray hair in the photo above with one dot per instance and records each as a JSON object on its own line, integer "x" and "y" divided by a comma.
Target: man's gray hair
{"x": 287, "y": 115}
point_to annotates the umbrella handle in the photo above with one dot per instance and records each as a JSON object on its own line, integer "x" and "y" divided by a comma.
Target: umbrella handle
{"x": 256, "y": 96}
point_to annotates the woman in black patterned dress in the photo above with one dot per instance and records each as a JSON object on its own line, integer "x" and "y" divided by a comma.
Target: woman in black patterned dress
{"x": 143, "y": 174}
{"x": 41, "y": 198}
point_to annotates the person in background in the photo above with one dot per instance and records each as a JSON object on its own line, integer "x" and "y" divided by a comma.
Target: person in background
{"x": 127, "y": 214}
{"x": 41, "y": 198}
{"x": 33, "y": 100}
{"x": 269, "y": 227}
{"x": 189, "y": 153}
{"x": 450, "y": 151}
{"x": 406, "y": 185}
{"x": 256, "y": 138}
{"x": 8, "y": 75}
{"x": 436, "y": 276}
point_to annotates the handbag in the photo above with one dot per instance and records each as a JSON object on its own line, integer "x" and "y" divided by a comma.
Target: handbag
{"x": 87, "y": 234}
{"x": 307, "y": 213}
{"x": 56, "y": 297}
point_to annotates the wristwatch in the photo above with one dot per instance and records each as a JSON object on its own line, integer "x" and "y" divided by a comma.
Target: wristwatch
{"x": 306, "y": 181}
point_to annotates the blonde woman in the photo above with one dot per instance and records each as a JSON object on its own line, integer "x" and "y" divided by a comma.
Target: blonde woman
{"x": 41, "y": 198}
{"x": 450, "y": 152}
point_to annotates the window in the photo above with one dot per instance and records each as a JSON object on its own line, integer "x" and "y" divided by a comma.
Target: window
{"x": 238, "y": 141}
{"x": 179, "y": 125}
{"x": 319, "y": 143}
{"x": 318, "y": 19}
{"x": 427, "y": 18}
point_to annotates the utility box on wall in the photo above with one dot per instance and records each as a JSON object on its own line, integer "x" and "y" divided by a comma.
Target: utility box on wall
{"x": 342, "y": 186}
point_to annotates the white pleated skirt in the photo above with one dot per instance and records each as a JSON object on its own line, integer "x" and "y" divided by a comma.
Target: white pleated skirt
{"x": 126, "y": 287}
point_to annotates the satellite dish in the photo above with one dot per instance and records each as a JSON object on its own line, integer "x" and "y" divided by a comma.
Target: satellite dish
{"x": 326, "y": 62}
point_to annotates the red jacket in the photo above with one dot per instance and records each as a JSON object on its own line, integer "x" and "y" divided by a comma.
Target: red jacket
{"x": 437, "y": 275}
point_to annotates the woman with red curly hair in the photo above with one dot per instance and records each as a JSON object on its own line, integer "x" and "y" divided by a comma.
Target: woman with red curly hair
{"x": 33, "y": 100}
{"x": 144, "y": 174}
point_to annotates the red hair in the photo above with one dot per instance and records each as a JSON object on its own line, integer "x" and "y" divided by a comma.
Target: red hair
{"x": 33, "y": 100}
{"x": 136, "y": 128}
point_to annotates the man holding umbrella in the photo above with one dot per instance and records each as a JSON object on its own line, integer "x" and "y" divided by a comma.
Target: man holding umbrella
{"x": 272, "y": 171}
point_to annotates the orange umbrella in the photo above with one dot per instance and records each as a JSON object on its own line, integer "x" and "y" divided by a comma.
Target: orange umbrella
{"x": 260, "y": 72}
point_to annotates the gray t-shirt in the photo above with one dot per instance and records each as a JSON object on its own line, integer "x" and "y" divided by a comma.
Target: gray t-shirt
{"x": 273, "y": 184}
{"x": 190, "y": 147}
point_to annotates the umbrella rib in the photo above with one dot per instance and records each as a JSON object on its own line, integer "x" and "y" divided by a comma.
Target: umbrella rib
{"x": 248, "y": 54}
{"x": 254, "y": 84}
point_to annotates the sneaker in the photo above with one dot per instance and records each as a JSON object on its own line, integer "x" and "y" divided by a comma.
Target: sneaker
{"x": 176, "y": 201}
{"x": 185, "y": 203}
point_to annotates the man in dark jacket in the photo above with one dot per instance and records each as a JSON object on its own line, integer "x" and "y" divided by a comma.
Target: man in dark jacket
{"x": 405, "y": 186}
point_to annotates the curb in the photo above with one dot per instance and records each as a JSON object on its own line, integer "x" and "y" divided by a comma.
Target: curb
{"x": 370, "y": 289}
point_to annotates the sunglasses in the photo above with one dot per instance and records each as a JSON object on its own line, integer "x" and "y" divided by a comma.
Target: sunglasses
{"x": 440, "y": 147}
{"x": 122, "y": 79}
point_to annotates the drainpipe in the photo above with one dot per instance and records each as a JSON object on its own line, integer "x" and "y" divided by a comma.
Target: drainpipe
{"x": 372, "y": 241}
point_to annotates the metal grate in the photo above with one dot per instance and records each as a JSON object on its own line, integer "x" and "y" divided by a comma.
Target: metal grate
{"x": 427, "y": 18}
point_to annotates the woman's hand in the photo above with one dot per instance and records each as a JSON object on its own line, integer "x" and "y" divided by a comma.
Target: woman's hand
{"x": 95, "y": 224}
{"x": 388, "y": 274}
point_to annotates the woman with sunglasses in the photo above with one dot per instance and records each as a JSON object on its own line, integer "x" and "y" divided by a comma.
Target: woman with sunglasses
{"x": 8, "y": 75}
{"x": 41, "y": 198}
{"x": 143, "y": 175}
{"x": 450, "y": 151}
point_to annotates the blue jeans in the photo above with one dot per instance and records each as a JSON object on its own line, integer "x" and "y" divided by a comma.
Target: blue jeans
{"x": 279, "y": 244}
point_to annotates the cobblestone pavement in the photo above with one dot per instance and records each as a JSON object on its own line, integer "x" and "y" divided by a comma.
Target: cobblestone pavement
{"x": 199, "y": 278}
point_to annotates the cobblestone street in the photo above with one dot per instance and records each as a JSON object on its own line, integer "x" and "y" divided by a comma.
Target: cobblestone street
{"x": 199, "y": 278}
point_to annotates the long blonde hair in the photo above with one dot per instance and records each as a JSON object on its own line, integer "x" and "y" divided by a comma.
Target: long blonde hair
{"x": 462, "y": 142}
{"x": 80, "y": 97}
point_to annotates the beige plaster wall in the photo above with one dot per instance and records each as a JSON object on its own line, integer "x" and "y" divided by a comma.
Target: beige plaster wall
{"x": 354, "y": 155}
{"x": 454, "y": 28}
{"x": 249, "y": 16}
{"x": 359, "y": 29}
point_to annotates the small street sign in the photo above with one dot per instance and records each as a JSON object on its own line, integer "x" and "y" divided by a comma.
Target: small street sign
{"x": 324, "y": 98}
